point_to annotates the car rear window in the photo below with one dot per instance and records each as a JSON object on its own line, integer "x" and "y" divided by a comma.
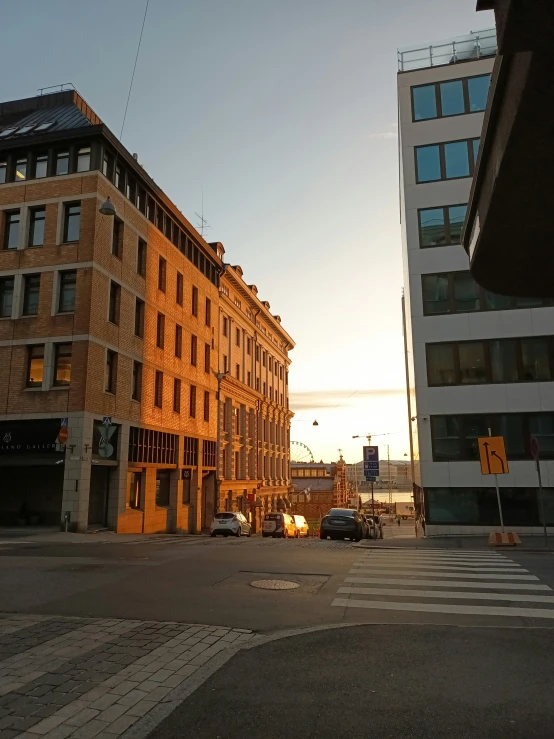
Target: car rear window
{"x": 224, "y": 515}
{"x": 341, "y": 512}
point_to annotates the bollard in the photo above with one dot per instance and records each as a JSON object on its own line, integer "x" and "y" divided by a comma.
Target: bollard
{"x": 66, "y": 518}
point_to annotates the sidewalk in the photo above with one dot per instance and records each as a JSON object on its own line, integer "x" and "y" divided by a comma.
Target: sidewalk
{"x": 27, "y": 535}
{"x": 528, "y": 543}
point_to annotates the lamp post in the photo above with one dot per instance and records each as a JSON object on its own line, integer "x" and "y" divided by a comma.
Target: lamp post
{"x": 219, "y": 376}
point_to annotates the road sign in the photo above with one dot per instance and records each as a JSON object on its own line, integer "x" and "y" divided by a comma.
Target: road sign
{"x": 534, "y": 447}
{"x": 371, "y": 466}
{"x": 371, "y": 462}
{"x": 370, "y": 478}
{"x": 493, "y": 455}
{"x": 63, "y": 421}
{"x": 106, "y": 421}
{"x": 63, "y": 435}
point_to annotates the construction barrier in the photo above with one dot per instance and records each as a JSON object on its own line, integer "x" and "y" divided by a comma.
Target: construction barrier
{"x": 507, "y": 539}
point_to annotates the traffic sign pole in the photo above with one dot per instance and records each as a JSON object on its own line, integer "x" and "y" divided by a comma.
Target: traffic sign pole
{"x": 535, "y": 453}
{"x": 498, "y": 497}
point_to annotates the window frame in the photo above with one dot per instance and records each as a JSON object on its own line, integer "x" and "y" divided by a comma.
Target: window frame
{"x": 142, "y": 247}
{"x": 30, "y": 356}
{"x": 5, "y": 280}
{"x": 207, "y": 406}
{"x": 117, "y": 238}
{"x": 136, "y": 381}
{"x": 8, "y": 223}
{"x": 438, "y": 100}
{"x": 162, "y": 274}
{"x": 447, "y": 225}
{"x": 194, "y": 301}
{"x": 114, "y": 303}
{"x": 110, "y": 370}
{"x": 160, "y": 331}
{"x": 60, "y": 156}
{"x": 179, "y": 288}
{"x": 192, "y": 401}
{"x": 193, "y": 350}
{"x": 32, "y": 222}
{"x": 176, "y": 395}
{"x": 208, "y": 313}
{"x": 442, "y": 160}
{"x": 158, "y": 389}
{"x": 66, "y": 221}
{"x": 59, "y": 347}
{"x": 140, "y": 309}
{"x": 62, "y": 277}
{"x": 207, "y": 357}
{"x": 25, "y": 305}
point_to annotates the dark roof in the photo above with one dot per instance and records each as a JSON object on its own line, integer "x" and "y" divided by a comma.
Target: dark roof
{"x": 63, "y": 110}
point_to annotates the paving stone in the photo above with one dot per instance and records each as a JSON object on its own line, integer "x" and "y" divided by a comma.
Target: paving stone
{"x": 132, "y": 698}
{"x": 158, "y": 694}
{"x": 25, "y": 723}
{"x": 46, "y": 711}
{"x": 46, "y": 725}
{"x": 161, "y": 675}
{"x": 104, "y": 701}
{"x": 187, "y": 670}
{"x": 141, "y": 708}
{"x": 8, "y": 733}
{"x": 124, "y": 687}
{"x": 87, "y": 714}
{"x": 60, "y": 732}
{"x": 120, "y": 725}
{"x": 173, "y": 681}
{"x": 7, "y": 721}
{"x": 112, "y": 713}
{"x": 89, "y": 730}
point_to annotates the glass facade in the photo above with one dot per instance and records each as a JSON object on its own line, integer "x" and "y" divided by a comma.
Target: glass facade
{"x": 478, "y": 506}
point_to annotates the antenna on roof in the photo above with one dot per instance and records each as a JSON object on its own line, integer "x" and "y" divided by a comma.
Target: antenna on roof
{"x": 203, "y": 222}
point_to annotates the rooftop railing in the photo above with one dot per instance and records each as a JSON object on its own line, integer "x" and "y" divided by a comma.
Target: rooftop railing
{"x": 475, "y": 45}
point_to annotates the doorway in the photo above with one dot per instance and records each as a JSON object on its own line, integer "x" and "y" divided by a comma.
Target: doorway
{"x": 99, "y": 496}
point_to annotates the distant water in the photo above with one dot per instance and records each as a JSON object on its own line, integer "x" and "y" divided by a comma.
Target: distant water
{"x": 398, "y": 496}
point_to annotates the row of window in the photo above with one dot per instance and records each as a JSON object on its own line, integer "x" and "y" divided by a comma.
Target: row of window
{"x": 67, "y": 282}
{"x": 529, "y": 359}
{"x": 68, "y": 160}
{"x": 449, "y": 98}
{"x": 261, "y": 355}
{"x": 36, "y": 226}
{"x": 24, "y": 166}
{"x": 457, "y": 292}
{"x": 479, "y": 506}
{"x": 454, "y": 437}
{"x": 447, "y": 161}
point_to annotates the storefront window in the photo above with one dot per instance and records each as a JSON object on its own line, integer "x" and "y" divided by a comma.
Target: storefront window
{"x": 135, "y": 492}
{"x": 162, "y": 488}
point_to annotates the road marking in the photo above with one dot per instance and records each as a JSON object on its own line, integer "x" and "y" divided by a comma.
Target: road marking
{"x": 448, "y": 594}
{"x": 445, "y": 583}
{"x": 446, "y": 608}
{"x": 432, "y": 558}
{"x": 472, "y": 575}
{"x": 423, "y": 565}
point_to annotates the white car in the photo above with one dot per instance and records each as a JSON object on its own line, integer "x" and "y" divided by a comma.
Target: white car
{"x": 230, "y": 524}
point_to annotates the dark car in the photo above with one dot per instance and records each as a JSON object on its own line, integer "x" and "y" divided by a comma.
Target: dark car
{"x": 342, "y": 523}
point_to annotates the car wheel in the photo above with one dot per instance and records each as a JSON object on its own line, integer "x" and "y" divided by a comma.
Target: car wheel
{"x": 285, "y": 534}
{"x": 239, "y": 532}
{"x": 297, "y": 534}
{"x": 249, "y": 534}
{"x": 213, "y": 533}
{"x": 322, "y": 535}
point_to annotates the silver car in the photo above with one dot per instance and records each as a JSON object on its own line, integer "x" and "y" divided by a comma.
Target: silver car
{"x": 230, "y": 524}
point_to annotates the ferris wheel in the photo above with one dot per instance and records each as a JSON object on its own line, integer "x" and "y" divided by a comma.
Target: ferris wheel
{"x": 299, "y": 452}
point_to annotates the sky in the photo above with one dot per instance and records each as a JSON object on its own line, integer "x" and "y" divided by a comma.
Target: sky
{"x": 283, "y": 112}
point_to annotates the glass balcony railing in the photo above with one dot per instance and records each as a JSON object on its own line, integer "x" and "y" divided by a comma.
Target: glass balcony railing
{"x": 475, "y": 45}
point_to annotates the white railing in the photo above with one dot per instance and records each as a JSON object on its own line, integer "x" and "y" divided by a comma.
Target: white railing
{"x": 460, "y": 49}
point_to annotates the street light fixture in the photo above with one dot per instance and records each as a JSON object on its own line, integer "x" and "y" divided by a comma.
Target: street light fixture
{"x": 107, "y": 208}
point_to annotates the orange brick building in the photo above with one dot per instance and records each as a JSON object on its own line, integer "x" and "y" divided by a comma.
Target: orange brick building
{"x": 109, "y": 335}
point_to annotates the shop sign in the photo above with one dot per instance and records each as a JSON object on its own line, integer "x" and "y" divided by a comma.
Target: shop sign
{"x": 30, "y": 437}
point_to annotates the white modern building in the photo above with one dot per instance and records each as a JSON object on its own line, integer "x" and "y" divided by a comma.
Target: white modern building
{"x": 477, "y": 361}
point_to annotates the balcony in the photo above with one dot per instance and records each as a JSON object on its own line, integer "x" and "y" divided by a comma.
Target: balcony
{"x": 475, "y": 45}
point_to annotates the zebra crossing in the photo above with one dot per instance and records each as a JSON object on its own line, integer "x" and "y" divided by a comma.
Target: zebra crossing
{"x": 431, "y": 581}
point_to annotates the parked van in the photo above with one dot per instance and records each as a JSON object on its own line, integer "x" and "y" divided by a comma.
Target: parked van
{"x": 302, "y": 528}
{"x": 278, "y": 524}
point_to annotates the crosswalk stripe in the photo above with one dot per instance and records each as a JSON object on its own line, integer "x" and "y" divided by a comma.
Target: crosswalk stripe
{"x": 454, "y": 568}
{"x": 528, "y": 598}
{"x": 429, "y": 558}
{"x": 446, "y": 608}
{"x": 446, "y": 583}
{"x": 438, "y": 552}
{"x": 471, "y": 575}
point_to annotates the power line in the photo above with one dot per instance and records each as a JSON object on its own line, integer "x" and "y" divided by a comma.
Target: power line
{"x": 134, "y": 69}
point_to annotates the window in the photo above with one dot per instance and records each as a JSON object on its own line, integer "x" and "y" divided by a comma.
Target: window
{"x": 207, "y": 358}
{"x": 35, "y": 366}
{"x": 176, "y": 395}
{"x": 446, "y": 161}
{"x": 441, "y": 365}
{"x": 139, "y": 318}
{"x": 503, "y": 359}
{"x": 6, "y": 296}
{"x": 264, "y": 359}
{"x": 453, "y": 97}
{"x": 192, "y": 401}
{"x": 110, "y": 378}
{"x": 535, "y": 354}
{"x": 21, "y": 169}
{"x": 160, "y": 331}
{"x": 193, "y": 350}
{"x": 248, "y": 345}
{"x": 436, "y": 298}
{"x": 41, "y": 166}
{"x": 257, "y": 352}
{"x": 162, "y": 488}
{"x": 466, "y": 293}
{"x": 83, "y": 159}
{"x": 258, "y": 384}
{"x": 441, "y": 226}
{"x": 68, "y": 287}
{"x": 117, "y": 237}
{"x": 115, "y": 303}
{"x": 71, "y": 222}
{"x": 225, "y": 326}
{"x": 225, "y": 364}
{"x": 162, "y": 274}
{"x": 3, "y": 171}
{"x": 136, "y": 388}
{"x": 249, "y": 379}
{"x": 179, "y": 289}
{"x": 472, "y": 363}
{"x": 237, "y": 336}
{"x": 62, "y": 162}
{"x": 135, "y": 489}
{"x": 280, "y": 373}
{"x": 31, "y": 290}
{"x": 158, "y": 388}
{"x": 208, "y": 312}
{"x": 11, "y": 229}
{"x": 178, "y": 341}
{"x": 206, "y": 405}
{"x": 194, "y": 306}
{"x": 36, "y": 226}
{"x": 141, "y": 257}
{"x": 237, "y": 465}
{"x": 237, "y": 371}
{"x": 478, "y": 90}
{"x": 62, "y": 364}
{"x": 541, "y": 426}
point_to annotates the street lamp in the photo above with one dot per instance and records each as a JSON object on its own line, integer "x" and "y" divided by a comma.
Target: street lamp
{"x": 219, "y": 376}
{"x": 107, "y": 208}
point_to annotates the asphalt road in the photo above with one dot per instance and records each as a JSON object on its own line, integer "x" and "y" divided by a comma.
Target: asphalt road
{"x": 394, "y": 682}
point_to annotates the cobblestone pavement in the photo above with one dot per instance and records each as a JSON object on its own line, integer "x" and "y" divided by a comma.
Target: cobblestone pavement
{"x": 84, "y": 678}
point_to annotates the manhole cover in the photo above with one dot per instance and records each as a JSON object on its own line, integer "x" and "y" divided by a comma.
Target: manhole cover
{"x": 275, "y": 584}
